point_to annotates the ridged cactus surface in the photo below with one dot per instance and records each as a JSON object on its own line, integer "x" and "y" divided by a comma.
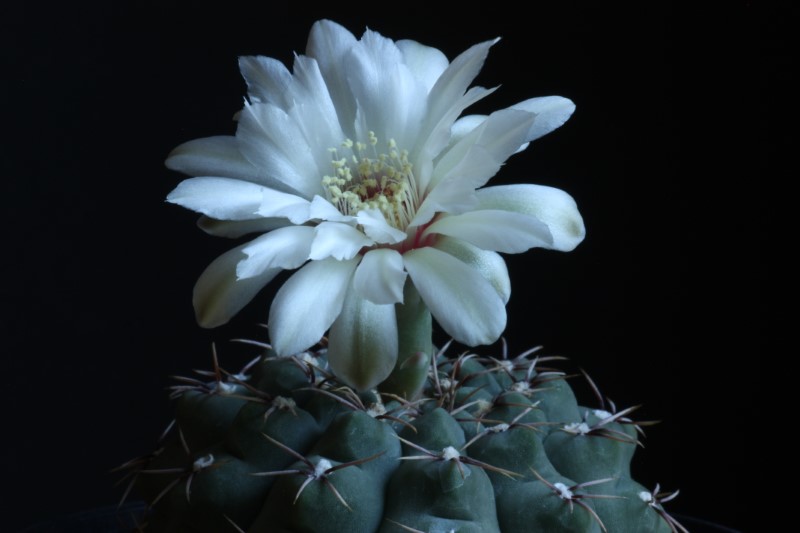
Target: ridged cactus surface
{"x": 492, "y": 445}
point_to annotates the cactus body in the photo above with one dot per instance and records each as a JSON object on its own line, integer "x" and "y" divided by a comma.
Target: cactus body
{"x": 490, "y": 446}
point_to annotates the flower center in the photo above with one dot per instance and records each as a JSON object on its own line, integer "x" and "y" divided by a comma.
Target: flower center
{"x": 366, "y": 179}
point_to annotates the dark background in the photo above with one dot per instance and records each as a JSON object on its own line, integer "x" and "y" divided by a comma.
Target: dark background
{"x": 659, "y": 303}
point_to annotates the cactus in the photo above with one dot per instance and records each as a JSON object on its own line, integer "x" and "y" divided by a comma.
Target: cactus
{"x": 356, "y": 168}
{"x": 491, "y": 444}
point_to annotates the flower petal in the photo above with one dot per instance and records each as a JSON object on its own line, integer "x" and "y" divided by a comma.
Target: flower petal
{"x": 454, "y": 195}
{"x": 267, "y": 78}
{"x": 362, "y": 347}
{"x": 322, "y": 209}
{"x": 468, "y": 123}
{"x": 283, "y": 205}
{"x": 453, "y": 82}
{"x": 220, "y": 198}
{"x": 308, "y": 303}
{"x": 446, "y": 100}
{"x": 500, "y": 135}
{"x": 386, "y": 92}
{"x": 490, "y": 265}
{"x": 237, "y": 228}
{"x": 215, "y": 156}
{"x": 337, "y": 240}
{"x": 376, "y": 227}
{"x": 472, "y": 161}
{"x": 273, "y": 141}
{"x": 218, "y": 295}
{"x": 464, "y": 125}
{"x": 425, "y": 62}
{"x": 285, "y": 248}
{"x": 551, "y": 112}
{"x": 496, "y": 230}
{"x": 464, "y": 303}
{"x": 380, "y": 276}
{"x": 314, "y": 112}
{"x": 552, "y": 206}
{"x": 328, "y": 43}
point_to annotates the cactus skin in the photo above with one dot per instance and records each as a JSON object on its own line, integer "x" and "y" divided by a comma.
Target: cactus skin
{"x": 490, "y": 446}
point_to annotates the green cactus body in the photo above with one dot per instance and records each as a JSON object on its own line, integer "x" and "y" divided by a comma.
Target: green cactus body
{"x": 490, "y": 445}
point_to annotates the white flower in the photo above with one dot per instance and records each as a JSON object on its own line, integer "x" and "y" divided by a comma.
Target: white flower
{"x": 356, "y": 167}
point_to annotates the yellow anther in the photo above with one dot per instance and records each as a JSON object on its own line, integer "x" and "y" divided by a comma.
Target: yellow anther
{"x": 384, "y": 182}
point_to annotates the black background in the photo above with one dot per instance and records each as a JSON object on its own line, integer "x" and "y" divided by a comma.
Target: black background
{"x": 659, "y": 303}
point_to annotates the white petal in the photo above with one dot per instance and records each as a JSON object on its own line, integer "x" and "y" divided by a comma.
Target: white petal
{"x": 322, "y": 209}
{"x": 380, "y": 277}
{"x": 496, "y": 230}
{"x": 455, "y": 195}
{"x": 337, "y": 240}
{"x": 218, "y": 295}
{"x": 328, "y": 43}
{"x": 453, "y": 82}
{"x": 314, "y": 113}
{"x": 490, "y": 265}
{"x": 447, "y": 99}
{"x": 214, "y": 156}
{"x": 551, "y": 112}
{"x": 471, "y": 162}
{"x": 272, "y": 140}
{"x": 236, "y": 228}
{"x": 266, "y": 78}
{"x": 285, "y": 248}
{"x": 280, "y": 204}
{"x": 465, "y": 125}
{"x": 552, "y": 206}
{"x": 220, "y": 198}
{"x": 308, "y": 303}
{"x": 435, "y": 136}
{"x": 500, "y": 135}
{"x": 387, "y": 94}
{"x": 426, "y": 63}
{"x": 466, "y": 305}
{"x": 376, "y": 227}
{"x": 363, "y": 345}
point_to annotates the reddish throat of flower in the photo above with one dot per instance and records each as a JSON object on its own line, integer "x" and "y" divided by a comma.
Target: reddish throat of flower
{"x": 365, "y": 178}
